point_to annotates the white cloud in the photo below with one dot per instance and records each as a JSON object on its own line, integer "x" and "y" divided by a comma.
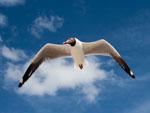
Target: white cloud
{"x": 42, "y": 23}
{"x": 59, "y": 74}
{"x": 12, "y": 53}
{"x": 3, "y": 20}
{"x": 11, "y": 2}
{"x": 91, "y": 92}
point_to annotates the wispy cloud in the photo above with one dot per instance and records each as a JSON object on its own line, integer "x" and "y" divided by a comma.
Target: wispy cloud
{"x": 81, "y": 7}
{"x": 3, "y": 20}
{"x": 91, "y": 92}
{"x": 1, "y": 40}
{"x": 12, "y": 53}
{"x": 142, "y": 107}
{"x": 41, "y": 23}
{"x": 59, "y": 74}
{"x": 11, "y": 2}
{"x": 134, "y": 32}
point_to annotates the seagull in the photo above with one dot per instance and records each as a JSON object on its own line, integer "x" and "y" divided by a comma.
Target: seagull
{"x": 77, "y": 50}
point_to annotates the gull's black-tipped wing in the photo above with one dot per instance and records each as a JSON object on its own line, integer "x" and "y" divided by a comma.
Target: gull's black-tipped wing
{"x": 102, "y": 47}
{"x": 48, "y": 51}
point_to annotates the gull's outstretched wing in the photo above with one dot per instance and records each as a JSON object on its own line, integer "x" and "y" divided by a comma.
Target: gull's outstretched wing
{"x": 102, "y": 47}
{"x": 48, "y": 51}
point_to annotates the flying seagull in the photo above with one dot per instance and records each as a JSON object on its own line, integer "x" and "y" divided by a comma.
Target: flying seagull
{"x": 78, "y": 50}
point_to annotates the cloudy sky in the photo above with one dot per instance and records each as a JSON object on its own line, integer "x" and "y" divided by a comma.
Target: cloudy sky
{"x": 57, "y": 87}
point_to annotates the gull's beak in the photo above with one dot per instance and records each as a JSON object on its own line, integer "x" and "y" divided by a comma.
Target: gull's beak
{"x": 69, "y": 41}
{"x": 65, "y": 43}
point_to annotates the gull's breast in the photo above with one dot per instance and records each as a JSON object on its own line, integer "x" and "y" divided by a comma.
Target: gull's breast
{"x": 78, "y": 55}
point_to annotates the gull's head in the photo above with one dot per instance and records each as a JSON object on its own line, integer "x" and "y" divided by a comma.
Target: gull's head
{"x": 71, "y": 41}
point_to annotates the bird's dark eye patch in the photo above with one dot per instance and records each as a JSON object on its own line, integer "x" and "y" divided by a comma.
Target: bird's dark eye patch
{"x": 73, "y": 43}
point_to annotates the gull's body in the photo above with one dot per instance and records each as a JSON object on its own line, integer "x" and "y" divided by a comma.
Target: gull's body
{"x": 77, "y": 53}
{"x": 78, "y": 50}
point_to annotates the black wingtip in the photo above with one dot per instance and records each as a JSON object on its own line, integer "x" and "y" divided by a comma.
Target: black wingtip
{"x": 20, "y": 84}
{"x": 133, "y": 76}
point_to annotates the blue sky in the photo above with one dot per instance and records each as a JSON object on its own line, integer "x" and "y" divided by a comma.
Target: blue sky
{"x": 25, "y": 26}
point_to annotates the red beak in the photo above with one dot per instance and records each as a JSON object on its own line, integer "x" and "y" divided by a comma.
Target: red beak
{"x": 67, "y": 42}
{"x": 70, "y": 41}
